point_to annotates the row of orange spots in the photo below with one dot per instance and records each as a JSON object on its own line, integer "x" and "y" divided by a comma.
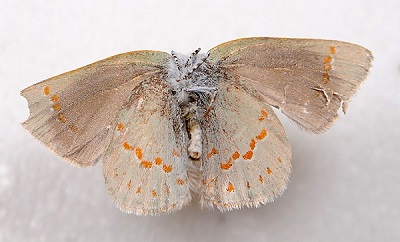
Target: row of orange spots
{"x": 231, "y": 188}
{"x": 264, "y": 115}
{"x": 249, "y": 154}
{"x": 56, "y": 107}
{"x": 153, "y": 192}
{"x": 144, "y": 163}
{"x": 328, "y": 64}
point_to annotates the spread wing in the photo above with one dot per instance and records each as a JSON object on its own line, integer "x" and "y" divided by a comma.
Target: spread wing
{"x": 145, "y": 164}
{"x": 308, "y": 79}
{"x": 246, "y": 154}
{"x": 72, "y": 113}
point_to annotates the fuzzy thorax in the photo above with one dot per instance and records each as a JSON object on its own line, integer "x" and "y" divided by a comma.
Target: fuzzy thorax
{"x": 191, "y": 84}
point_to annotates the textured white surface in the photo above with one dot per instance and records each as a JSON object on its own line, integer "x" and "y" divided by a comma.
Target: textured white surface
{"x": 344, "y": 185}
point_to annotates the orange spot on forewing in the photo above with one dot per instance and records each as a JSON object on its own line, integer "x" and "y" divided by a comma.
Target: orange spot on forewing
{"x": 180, "y": 181}
{"x": 332, "y": 49}
{"x": 139, "y": 190}
{"x": 269, "y": 171}
{"x": 154, "y": 193}
{"x": 261, "y": 179}
{"x": 54, "y": 98}
{"x": 56, "y": 107}
{"x": 62, "y": 118}
{"x": 328, "y": 59}
{"x": 46, "y": 90}
{"x": 128, "y": 185}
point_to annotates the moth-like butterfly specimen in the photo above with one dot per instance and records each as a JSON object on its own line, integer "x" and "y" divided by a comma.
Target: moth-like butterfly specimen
{"x": 168, "y": 126}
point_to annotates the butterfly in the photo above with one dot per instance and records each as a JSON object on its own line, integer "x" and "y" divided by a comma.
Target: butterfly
{"x": 169, "y": 126}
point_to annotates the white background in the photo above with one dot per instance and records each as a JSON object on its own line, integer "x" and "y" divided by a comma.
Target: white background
{"x": 345, "y": 184}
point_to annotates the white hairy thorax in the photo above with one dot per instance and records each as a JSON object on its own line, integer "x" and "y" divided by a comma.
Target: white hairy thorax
{"x": 191, "y": 85}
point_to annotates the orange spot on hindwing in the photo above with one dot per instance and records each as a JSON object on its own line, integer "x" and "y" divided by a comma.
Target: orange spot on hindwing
{"x": 167, "y": 169}
{"x": 248, "y": 155}
{"x": 252, "y": 144}
{"x": 227, "y": 165}
{"x": 261, "y": 179}
{"x": 212, "y": 152}
{"x": 139, "y": 153}
{"x": 269, "y": 171}
{"x": 264, "y": 115}
{"x": 262, "y": 134}
{"x": 180, "y": 181}
{"x": 127, "y": 146}
{"x": 128, "y": 185}
{"x": 146, "y": 164}
{"x": 120, "y": 127}
{"x": 230, "y": 188}
{"x": 154, "y": 193}
{"x": 235, "y": 155}
{"x": 158, "y": 161}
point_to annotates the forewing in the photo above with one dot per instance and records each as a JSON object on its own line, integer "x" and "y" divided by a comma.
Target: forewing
{"x": 246, "y": 155}
{"x": 145, "y": 163}
{"x": 73, "y": 112}
{"x": 308, "y": 79}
